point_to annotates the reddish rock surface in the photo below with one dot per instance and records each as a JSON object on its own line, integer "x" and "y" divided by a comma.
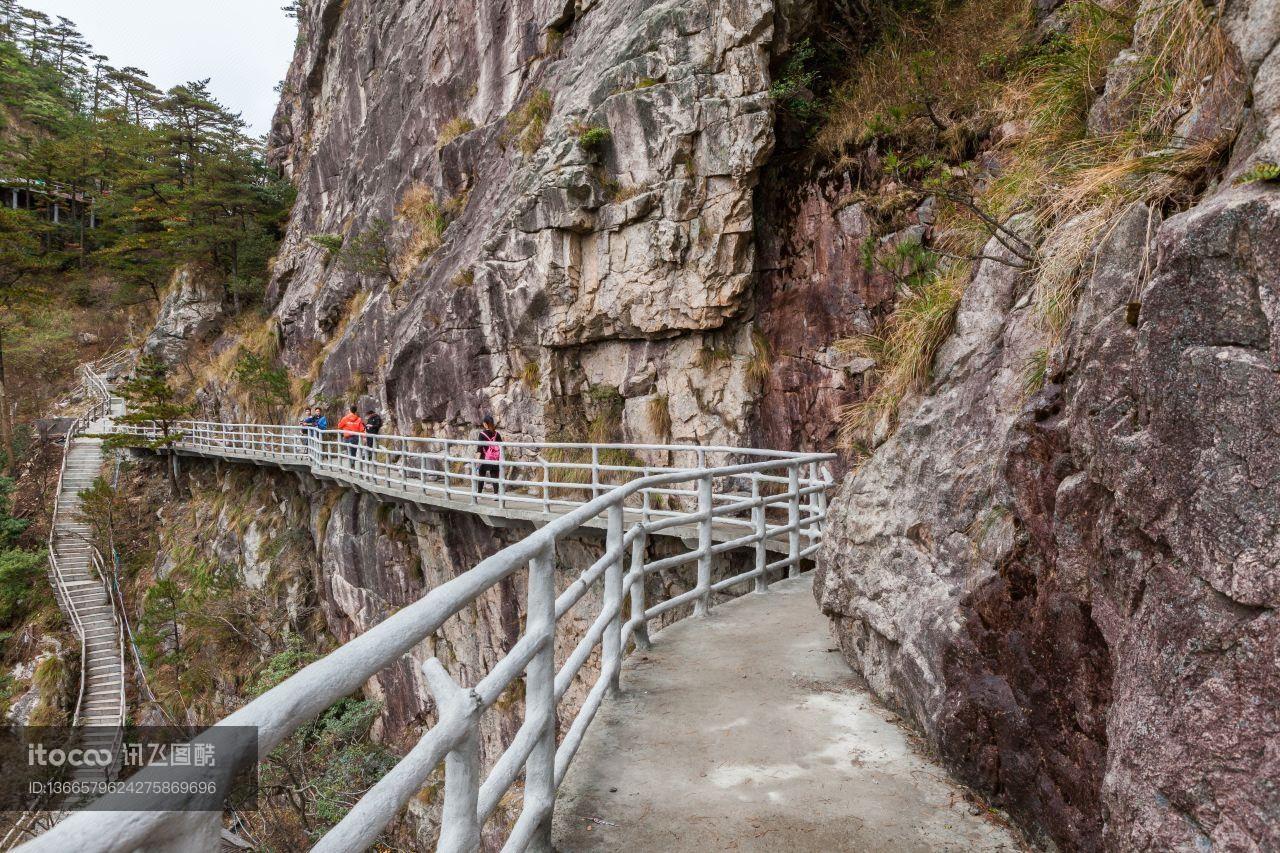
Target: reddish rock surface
{"x": 813, "y": 290}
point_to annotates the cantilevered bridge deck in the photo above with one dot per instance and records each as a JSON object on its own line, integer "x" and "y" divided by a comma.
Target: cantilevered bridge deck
{"x": 768, "y": 506}
{"x": 530, "y": 481}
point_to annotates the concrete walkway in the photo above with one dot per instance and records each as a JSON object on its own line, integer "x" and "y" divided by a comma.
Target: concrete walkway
{"x": 747, "y": 731}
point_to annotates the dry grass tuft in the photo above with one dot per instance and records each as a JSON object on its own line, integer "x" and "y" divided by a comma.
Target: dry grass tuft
{"x": 658, "y": 415}
{"x": 949, "y": 66}
{"x": 710, "y": 357}
{"x": 427, "y": 220}
{"x": 453, "y": 128}
{"x": 528, "y": 122}
{"x": 760, "y": 365}
{"x": 977, "y": 66}
{"x": 904, "y": 348}
{"x": 531, "y": 375}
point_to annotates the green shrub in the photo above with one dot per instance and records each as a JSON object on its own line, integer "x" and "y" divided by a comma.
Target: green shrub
{"x": 331, "y": 243}
{"x": 1035, "y": 371}
{"x": 1261, "y": 171}
{"x": 22, "y": 584}
{"x": 791, "y": 90}
{"x": 593, "y": 139}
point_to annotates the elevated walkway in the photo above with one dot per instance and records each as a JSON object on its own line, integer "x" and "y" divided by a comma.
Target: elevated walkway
{"x": 530, "y": 482}
{"x": 715, "y": 501}
{"x": 747, "y": 731}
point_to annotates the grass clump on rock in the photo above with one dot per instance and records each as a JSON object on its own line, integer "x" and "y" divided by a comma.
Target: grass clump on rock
{"x": 453, "y": 128}
{"x": 593, "y": 139}
{"x": 904, "y": 348}
{"x": 528, "y": 123}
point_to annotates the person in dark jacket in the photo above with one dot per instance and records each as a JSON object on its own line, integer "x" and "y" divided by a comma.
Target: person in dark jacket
{"x": 488, "y": 452}
{"x": 372, "y": 427}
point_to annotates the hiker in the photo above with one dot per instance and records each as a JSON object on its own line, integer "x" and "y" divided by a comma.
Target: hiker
{"x": 372, "y": 427}
{"x": 351, "y": 427}
{"x": 308, "y": 424}
{"x": 488, "y": 452}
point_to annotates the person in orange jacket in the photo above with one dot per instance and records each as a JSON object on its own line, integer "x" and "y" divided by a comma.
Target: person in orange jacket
{"x": 351, "y": 428}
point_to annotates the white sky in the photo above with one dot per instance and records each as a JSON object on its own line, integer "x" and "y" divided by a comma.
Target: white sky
{"x": 244, "y": 45}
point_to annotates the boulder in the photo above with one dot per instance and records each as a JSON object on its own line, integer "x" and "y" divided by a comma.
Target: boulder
{"x": 191, "y": 313}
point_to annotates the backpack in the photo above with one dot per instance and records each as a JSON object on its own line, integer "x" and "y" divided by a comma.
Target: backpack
{"x": 492, "y": 453}
{"x": 374, "y": 423}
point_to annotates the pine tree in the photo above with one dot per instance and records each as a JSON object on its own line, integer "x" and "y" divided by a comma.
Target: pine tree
{"x": 152, "y": 402}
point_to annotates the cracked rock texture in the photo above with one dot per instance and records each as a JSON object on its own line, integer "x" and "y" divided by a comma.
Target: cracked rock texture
{"x": 638, "y": 254}
{"x": 1074, "y": 593}
{"x": 190, "y": 313}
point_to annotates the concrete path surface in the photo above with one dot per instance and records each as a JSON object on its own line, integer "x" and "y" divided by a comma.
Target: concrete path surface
{"x": 748, "y": 731}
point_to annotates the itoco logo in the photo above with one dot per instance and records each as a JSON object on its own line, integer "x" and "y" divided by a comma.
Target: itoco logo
{"x": 39, "y": 756}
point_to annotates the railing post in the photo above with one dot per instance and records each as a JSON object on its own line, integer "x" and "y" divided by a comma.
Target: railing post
{"x": 644, "y": 499}
{"x": 822, "y": 501}
{"x": 448, "y": 485}
{"x": 502, "y": 477}
{"x": 812, "y": 531}
{"x": 762, "y": 530}
{"x": 702, "y": 604}
{"x": 611, "y": 653}
{"x": 460, "y": 820}
{"x": 641, "y": 632}
{"x": 546, "y": 486}
{"x": 595, "y": 470}
{"x": 540, "y": 696}
{"x": 793, "y": 520}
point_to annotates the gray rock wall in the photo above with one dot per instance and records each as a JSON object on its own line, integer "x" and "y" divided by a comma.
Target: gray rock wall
{"x": 611, "y": 266}
{"x": 190, "y": 314}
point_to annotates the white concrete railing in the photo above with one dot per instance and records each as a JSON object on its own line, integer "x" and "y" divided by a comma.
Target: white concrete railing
{"x": 529, "y": 479}
{"x": 100, "y": 402}
{"x": 755, "y": 519}
{"x": 99, "y": 406}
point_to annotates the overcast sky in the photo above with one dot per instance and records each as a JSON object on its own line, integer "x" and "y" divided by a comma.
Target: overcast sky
{"x": 244, "y": 45}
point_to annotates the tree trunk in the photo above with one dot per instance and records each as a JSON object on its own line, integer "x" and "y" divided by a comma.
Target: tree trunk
{"x": 6, "y": 425}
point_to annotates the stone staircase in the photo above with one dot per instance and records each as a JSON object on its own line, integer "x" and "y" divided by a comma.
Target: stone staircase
{"x": 101, "y": 704}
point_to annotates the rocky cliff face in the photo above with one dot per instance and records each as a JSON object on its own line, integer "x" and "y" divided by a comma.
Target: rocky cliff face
{"x": 1073, "y": 591}
{"x": 553, "y": 268}
{"x": 563, "y": 266}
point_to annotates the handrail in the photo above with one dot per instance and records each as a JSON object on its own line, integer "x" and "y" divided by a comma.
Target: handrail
{"x": 26, "y": 821}
{"x": 117, "y": 607}
{"x": 528, "y": 479}
{"x": 64, "y": 593}
{"x": 798, "y": 481}
{"x": 467, "y": 803}
{"x": 99, "y": 404}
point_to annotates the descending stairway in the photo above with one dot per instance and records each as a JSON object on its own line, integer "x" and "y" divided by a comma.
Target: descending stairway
{"x": 86, "y": 600}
